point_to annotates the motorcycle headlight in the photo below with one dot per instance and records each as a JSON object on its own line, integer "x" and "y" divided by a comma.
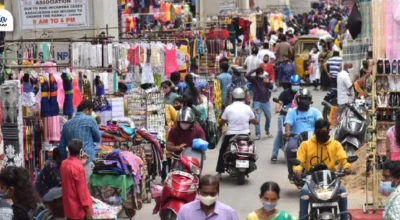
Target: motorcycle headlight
{"x": 233, "y": 148}
{"x": 324, "y": 194}
{"x": 195, "y": 170}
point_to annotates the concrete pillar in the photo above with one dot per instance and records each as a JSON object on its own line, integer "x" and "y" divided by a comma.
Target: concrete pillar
{"x": 245, "y": 4}
{"x": 101, "y": 13}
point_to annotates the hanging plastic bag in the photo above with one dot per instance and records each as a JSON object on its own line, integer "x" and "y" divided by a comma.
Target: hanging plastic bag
{"x": 200, "y": 144}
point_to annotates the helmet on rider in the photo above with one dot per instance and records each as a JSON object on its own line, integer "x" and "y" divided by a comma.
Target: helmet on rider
{"x": 295, "y": 83}
{"x": 303, "y": 99}
{"x": 238, "y": 94}
{"x": 186, "y": 118}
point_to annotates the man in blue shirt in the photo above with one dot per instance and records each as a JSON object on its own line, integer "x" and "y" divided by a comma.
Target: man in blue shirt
{"x": 84, "y": 127}
{"x": 299, "y": 120}
{"x": 224, "y": 79}
{"x": 285, "y": 71}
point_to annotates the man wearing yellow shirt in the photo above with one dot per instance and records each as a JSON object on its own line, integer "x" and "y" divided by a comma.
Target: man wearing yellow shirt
{"x": 321, "y": 148}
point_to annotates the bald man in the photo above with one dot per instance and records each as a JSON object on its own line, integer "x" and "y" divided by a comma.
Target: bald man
{"x": 345, "y": 86}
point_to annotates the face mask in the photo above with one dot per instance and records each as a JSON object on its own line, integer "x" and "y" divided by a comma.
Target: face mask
{"x": 385, "y": 188}
{"x": 178, "y": 107}
{"x": 268, "y": 206}
{"x": 185, "y": 126}
{"x": 322, "y": 136}
{"x": 5, "y": 195}
{"x": 295, "y": 88}
{"x": 208, "y": 200}
{"x": 350, "y": 70}
{"x": 266, "y": 61}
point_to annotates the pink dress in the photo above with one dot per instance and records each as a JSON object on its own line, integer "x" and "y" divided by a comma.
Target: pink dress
{"x": 171, "y": 65}
{"x": 394, "y": 147}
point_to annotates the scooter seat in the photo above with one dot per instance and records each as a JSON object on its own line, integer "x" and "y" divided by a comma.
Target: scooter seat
{"x": 241, "y": 137}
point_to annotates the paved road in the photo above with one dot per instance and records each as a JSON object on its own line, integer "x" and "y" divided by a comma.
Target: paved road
{"x": 244, "y": 199}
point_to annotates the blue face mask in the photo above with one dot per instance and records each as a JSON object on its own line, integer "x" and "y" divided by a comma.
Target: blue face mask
{"x": 268, "y": 206}
{"x": 385, "y": 188}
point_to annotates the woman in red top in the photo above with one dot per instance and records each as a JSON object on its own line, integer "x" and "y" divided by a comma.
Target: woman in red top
{"x": 268, "y": 67}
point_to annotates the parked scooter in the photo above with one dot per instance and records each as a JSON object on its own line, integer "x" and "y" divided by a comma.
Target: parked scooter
{"x": 240, "y": 158}
{"x": 181, "y": 184}
{"x": 331, "y": 98}
{"x": 324, "y": 186}
{"x": 351, "y": 129}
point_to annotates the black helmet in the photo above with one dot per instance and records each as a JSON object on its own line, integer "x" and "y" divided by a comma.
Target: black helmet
{"x": 304, "y": 99}
{"x": 186, "y": 114}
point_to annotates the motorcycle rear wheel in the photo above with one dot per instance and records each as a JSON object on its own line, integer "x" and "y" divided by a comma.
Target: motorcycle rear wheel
{"x": 169, "y": 216}
{"x": 241, "y": 178}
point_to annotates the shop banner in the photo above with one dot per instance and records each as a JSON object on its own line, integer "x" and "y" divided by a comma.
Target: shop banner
{"x": 52, "y": 14}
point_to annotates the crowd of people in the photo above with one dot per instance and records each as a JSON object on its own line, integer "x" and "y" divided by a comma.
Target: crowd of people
{"x": 245, "y": 97}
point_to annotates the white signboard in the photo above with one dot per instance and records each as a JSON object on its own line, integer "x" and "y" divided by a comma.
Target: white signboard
{"x": 6, "y": 21}
{"x": 50, "y": 14}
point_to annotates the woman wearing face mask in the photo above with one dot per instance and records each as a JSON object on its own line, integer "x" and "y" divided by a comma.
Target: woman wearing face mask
{"x": 314, "y": 61}
{"x": 390, "y": 186}
{"x": 269, "y": 197}
{"x": 15, "y": 184}
{"x": 169, "y": 92}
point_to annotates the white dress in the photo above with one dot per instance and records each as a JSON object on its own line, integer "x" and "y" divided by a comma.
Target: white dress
{"x": 317, "y": 73}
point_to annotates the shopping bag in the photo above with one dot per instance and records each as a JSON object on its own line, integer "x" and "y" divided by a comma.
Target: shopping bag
{"x": 199, "y": 144}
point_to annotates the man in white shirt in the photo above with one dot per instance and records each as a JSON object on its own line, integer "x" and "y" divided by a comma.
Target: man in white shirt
{"x": 265, "y": 51}
{"x": 237, "y": 115}
{"x": 345, "y": 91}
{"x": 252, "y": 62}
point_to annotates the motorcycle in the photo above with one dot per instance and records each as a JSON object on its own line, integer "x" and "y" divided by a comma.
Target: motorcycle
{"x": 331, "y": 98}
{"x": 351, "y": 129}
{"x": 181, "y": 184}
{"x": 324, "y": 195}
{"x": 240, "y": 157}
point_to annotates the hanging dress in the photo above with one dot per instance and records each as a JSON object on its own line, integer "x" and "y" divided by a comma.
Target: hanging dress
{"x": 100, "y": 101}
{"x": 170, "y": 60}
{"x": 28, "y": 98}
{"x": 68, "y": 108}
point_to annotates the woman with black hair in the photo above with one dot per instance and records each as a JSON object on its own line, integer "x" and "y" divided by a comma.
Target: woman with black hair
{"x": 192, "y": 90}
{"x": 269, "y": 197}
{"x": 393, "y": 140}
{"x": 16, "y": 185}
{"x": 390, "y": 187}
{"x": 169, "y": 92}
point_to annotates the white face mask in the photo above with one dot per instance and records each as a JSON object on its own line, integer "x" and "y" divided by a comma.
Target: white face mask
{"x": 350, "y": 70}
{"x": 208, "y": 200}
{"x": 295, "y": 88}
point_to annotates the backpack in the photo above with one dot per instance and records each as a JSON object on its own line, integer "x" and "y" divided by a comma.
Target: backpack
{"x": 39, "y": 213}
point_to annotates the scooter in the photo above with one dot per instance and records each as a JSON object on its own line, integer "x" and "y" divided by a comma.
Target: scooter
{"x": 351, "y": 129}
{"x": 181, "y": 184}
{"x": 324, "y": 195}
{"x": 240, "y": 158}
{"x": 331, "y": 98}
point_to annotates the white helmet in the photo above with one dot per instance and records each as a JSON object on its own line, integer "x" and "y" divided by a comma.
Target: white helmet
{"x": 238, "y": 93}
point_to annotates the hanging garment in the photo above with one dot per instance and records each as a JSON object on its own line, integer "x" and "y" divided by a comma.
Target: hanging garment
{"x": 87, "y": 88}
{"x": 48, "y": 102}
{"x": 77, "y": 96}
{"x": 147, "y": 74}
{"x": 28, "y": 98}
{"x": 53, "y": 128}
{"x": 68, "y": 108}
{"x": 134, "y": 55}
{"x": 183, "y": 55}
{"x": 100, "y": 101}
{"x": 170, "y": 60}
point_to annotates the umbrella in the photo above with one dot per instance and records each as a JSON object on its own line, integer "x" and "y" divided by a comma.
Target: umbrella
{"x": 354, "y": 22}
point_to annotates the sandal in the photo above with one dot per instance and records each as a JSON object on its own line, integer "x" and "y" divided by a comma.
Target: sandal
{"x": 269, "y": 135}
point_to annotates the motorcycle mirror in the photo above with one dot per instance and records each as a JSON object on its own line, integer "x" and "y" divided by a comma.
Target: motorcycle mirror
{"x": 352, "y": 159}
{"x": 295, "y": 162}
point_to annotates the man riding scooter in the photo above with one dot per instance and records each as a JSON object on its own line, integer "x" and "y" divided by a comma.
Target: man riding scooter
{"x": 298, "y": 122}
{"x": 285, "y": 101}
{"x": 182, "y": 135}
{"x": 237, "y": 115}
{"x": 321, "y": 149}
